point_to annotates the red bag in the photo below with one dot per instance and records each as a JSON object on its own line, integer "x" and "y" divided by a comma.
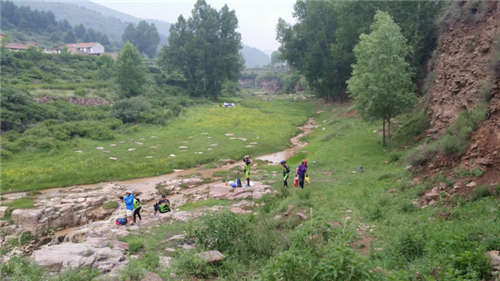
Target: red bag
{"x": 296, "y": 182}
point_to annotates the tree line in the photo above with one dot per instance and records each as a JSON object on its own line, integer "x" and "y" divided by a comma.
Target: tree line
{"x": 26, "y": 19}
{"x": 203, "y": 53}
{"x": 372, "y": 51}
{"x": 320, "y": 45}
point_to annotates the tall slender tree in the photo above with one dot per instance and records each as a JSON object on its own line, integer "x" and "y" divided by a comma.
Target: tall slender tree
{"x": 130, "y": 74}
{"x": 381, "y": 81}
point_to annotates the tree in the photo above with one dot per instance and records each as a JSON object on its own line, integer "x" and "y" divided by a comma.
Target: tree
{"x": 130, "y": 72}
{"x": 306, "y": 46}
{"x": 144, "y": 37}
{"x": 381, "y": 81}
{"x": 205, "y": 49}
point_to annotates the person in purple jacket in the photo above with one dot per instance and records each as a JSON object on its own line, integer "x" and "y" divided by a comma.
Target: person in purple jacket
{"x": 301, "y": 172}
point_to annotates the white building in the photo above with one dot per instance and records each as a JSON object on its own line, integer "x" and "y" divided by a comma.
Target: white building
{"x": 91, "y": 48}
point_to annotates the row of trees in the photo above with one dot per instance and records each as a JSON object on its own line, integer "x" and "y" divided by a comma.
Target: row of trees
{"x": 144, "y": 37}
{"x": 41, "y": 22}
{"x": 320, "y": 45}
{"x": 203, "y": 51}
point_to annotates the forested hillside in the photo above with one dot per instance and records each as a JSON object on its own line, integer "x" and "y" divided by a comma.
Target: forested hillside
{"x": 108, "y": 21}
{"x": 24, "y": 24}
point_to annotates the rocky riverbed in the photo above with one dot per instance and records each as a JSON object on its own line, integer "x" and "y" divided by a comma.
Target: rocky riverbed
{"x": 75, "y": 226}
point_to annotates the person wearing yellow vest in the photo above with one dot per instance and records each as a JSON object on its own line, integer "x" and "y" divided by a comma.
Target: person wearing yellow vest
{"x": 137, "y": 208}
{"x": 246, "y": 169}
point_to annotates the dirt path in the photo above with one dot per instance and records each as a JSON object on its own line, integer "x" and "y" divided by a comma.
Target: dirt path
{"x": 82, "y": 223}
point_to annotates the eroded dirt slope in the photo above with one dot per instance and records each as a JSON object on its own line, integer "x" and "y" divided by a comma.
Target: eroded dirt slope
{"x": 462, "y": 72}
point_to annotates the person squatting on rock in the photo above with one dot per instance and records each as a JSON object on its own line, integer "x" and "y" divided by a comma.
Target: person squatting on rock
{"x": 129, "y": 204}
{"x": 137, "y": 209}
{"x": 162, "y": 206}
{"x": 286, "y": 172}
{"x": 302, "y": 172}
{"x": 246, "y": 169}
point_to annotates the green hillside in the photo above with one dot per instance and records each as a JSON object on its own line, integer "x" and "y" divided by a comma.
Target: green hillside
{"x": 95, "y": 16}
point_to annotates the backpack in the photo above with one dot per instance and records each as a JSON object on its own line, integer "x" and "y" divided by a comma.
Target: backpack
{"x": 238, "y": 182}
{"x": 121, "y": 221}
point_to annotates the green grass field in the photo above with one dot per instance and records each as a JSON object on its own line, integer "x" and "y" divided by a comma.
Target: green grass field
{"x": 382, "y": 235}
{"x": 201, "y": 129}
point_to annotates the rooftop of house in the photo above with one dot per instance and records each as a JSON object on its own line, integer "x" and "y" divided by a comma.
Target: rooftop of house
{"x": 81, "y": 45}
{"x": 19, "y": 46}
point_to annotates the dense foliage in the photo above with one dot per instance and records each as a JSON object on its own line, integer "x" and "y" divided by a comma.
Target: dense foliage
{"x": 144, "y": 37}
{"x": 381, "y": 78}
{"x": 41, "y": 22}
{"x": 205, "y": 49}
{"x": 130, "y": 71}
{"x": 320, "y": 45}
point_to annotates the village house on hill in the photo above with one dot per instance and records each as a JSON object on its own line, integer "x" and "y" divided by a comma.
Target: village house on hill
{"x": 90, "y": 48}
{"x": 18, "y": 46}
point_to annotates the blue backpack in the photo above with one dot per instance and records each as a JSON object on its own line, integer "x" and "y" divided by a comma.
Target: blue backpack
{"x": 121, "y": 221}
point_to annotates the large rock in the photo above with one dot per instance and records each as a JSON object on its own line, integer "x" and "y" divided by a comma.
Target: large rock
{"x": 150, "y": 276}
{"x": 29, "y": 219}
{"x": 91, "y": 253}
{"x": 3, "y": 210}
{"x": 64, "y": 256}
{"x": 211, "y": 256}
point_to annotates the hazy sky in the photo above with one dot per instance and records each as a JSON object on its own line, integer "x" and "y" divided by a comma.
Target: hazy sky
{"x": 257, "y": 18}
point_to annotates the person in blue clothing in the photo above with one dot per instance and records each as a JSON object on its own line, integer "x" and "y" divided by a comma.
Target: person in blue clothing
{"x": 301, "y": 172}
{"x": 129, "y": 204}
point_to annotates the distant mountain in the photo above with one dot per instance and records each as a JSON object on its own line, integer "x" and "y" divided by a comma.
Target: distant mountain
{"x": 92, "y": 15}
{"x": 254, "y": 57}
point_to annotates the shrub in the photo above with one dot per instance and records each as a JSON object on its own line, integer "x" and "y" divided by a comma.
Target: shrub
{"x": 81, "y": 92}
{"x": 133, "y": 271}
{"x": 409, "y": 245}
{"x": 485, "y": 89}
{"x": 413, "y": 124}
{"x": 481, "y": 192}
{"x": 341, "y": 263}
{"x": 186, "y": 263}
{"x": 455, "y": 141}
{"x": 135, "y": 244}
{"x": 469, "y": 265}
{"x": 111, "y": 205}
{"x": 421, "y": 155}
{"x": 26, "y": 237}
{"x": 289, "y": 265}
{"x": 130, "y": 110}
{"x": 219, "y": 231}
{"x": 20, "y": 269}
{"x": 78, "y": 275}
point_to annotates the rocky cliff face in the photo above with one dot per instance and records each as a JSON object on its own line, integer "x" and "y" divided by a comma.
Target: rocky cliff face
{"x": 463, "y": 75}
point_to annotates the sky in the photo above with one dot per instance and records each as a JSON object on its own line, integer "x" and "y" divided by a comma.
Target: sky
{"x": 257, "y": 18}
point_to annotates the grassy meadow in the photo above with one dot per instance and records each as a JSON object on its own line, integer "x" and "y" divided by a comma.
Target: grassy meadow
{"x": 359, "y": 226}
{"x": 201, "y": 129}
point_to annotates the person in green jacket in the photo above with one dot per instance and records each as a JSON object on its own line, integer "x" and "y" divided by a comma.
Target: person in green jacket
{"x": 137, "y": 208}
{"x": 286, "y": 172}
{"x": 162, "y": 206}
{"x": 246, "y": 169}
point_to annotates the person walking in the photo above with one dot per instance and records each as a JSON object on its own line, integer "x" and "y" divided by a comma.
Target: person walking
{"x": 286, "y": 172}
{"x": 137, "y": 209}
{"x": 129, "y": 204}
{"x": 246, "y": 169}
{"x": 301, "y": 172}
